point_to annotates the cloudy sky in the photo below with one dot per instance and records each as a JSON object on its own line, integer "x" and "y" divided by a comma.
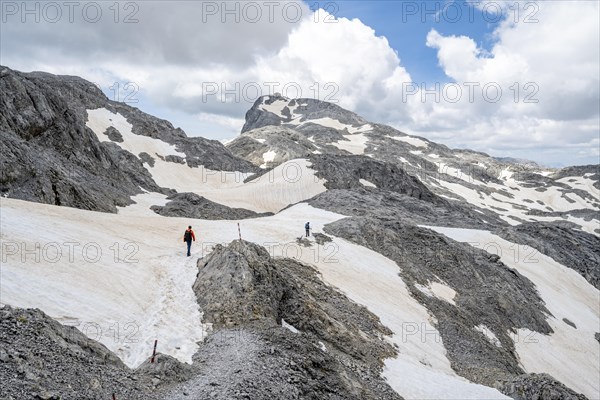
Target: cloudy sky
{"x": 509, "y": 78}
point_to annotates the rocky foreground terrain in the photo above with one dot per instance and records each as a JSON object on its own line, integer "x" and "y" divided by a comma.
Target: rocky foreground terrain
{"x": 336, "y": 352}
{"x": 285, "y": 326}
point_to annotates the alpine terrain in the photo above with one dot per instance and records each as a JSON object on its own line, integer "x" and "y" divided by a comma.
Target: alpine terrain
{"x": 428, "y": 272}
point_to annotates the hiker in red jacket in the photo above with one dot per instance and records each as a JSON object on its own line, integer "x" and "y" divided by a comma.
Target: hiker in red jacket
{"x": 188, "y": 236}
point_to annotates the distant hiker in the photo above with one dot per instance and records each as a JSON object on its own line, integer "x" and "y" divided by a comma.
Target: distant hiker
{"x": 307, "y": 228}
{"x": 188, "y": 236}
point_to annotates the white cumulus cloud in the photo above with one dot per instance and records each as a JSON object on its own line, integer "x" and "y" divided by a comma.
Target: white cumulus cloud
{"x": 185, "y": 59}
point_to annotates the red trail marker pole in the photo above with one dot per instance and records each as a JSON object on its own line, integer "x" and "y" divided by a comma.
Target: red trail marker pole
{"x": 114, "y": 397}
{"x": 239, "y": 231}
{"x": 154, "y": 351}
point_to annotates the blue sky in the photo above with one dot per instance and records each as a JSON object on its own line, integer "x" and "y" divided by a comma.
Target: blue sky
{"x": 406, "y": 24}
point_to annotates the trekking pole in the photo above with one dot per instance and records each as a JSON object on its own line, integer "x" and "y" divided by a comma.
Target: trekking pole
{"x": 154, "y": 351}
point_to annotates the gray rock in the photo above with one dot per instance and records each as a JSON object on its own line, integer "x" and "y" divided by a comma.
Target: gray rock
{"x": 536, "y": 387}
{"x": 47, "y": 360}
{"x": 241, "y": 286}
{"x": 191, "y": 205}
{"x": 113, "y": 134}
{"x": 175, "y": 159}
{"x": 345, "y": 172}
{"x": 287, "y": 144}
{"x": 424, "y": 256}
{"x": 50, "y": 156}
{"x": 568, "y": 322}
{"x": 386, "y": 204}
{"x": 146, "y": 158}
{"x": 321, "y": 239}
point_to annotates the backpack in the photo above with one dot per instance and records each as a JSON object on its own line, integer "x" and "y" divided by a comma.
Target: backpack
{"x": 307, "y": 226}
{"x": 187, "y": 236}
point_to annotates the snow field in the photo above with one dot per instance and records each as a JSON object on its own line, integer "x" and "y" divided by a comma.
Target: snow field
{"x": 439, "y": 290}
{"x": 413, "y": 141}
{"x": 356, "y": 144}
{"x": 100, "y": 119}
{"x": 288, "y": 183}
{"x": 571, "y": 355}
{"x": 112, "y": 276}
{"x": 156, "y": 291}
{"x": 507, "y": 207}
{"x": 367, "y": 183}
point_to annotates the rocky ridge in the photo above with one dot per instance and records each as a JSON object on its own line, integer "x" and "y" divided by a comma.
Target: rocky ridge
{"x": 49, "y": 155}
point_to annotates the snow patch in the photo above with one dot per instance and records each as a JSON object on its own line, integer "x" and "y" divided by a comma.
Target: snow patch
{"x": 132, "y": 282}
{"x": 289, "y": 327}
{"x": 523, "y": 199}
{"x": 268, "y": 157}
{"x": 438, "y": 290}
{"x": 156, "y": 291}
{"x": 583, "y": 183}
{"x": 101, "y": 119}
{"x": 356, "y": 144}
{"x": 411, "y": 140}
{"x": 489, "y": 334}
{"x": 275, "y": 107}
{"x": 335, "y": 124}
{"x": 365, "y": 182}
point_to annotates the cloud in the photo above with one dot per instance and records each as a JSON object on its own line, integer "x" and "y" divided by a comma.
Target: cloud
{"x": 188, "y": 33}
{"x": 185, "y": 59}
{"x": 553, "y": 62}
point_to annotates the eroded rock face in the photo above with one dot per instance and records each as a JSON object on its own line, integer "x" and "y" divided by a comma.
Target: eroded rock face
{"x": 42, "y": 359}
{"x": 537, "y": 387}
{"x": 242, "y": 286}
{"x": 49, "y": 155}
{"x": 271, "y": 145}
{"x": 346, "y": 172}
{"x": 425, "y": 257}
{"x": 309, "y": 109}
{"x": 191, "y": 205}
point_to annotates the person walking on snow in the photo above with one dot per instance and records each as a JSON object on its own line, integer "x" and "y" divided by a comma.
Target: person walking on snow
{"x": 188, "y": 236}
{"x": 307, "y": 228}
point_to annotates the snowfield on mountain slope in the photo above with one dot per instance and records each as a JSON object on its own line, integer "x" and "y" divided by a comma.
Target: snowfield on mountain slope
{"x": 151, "y": 296}
{"x": 355, "y": 144}
{"x": 288, "y": 183}
{"x": 518, "y": 199}
{"x": 111, "y": 276}
{"x": 571, "y": 355}
{"x": 413, "y": 141}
